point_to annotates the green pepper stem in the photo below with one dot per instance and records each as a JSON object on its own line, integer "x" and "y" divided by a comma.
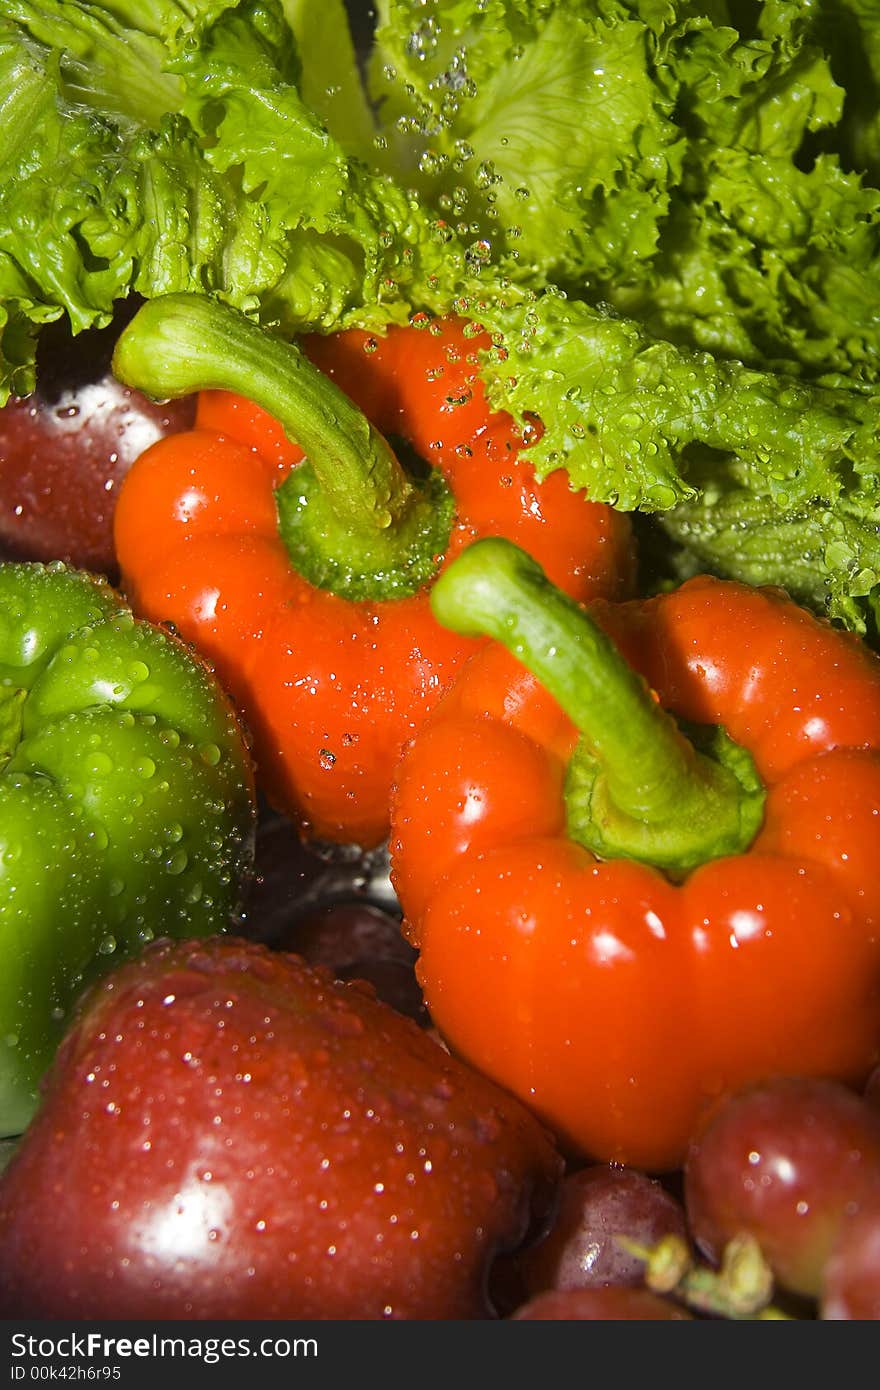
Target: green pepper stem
{"x": 353, "y": 520}
{"x": 636, "y": 787}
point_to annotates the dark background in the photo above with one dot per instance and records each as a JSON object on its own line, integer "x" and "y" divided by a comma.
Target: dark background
{"x": 363, "y": 18}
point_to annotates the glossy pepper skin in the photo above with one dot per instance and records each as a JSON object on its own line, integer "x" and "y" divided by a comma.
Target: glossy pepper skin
{"x": 618, "y": 998}
{"x": 332, "y": 687}
{"x": 127, "y": 804}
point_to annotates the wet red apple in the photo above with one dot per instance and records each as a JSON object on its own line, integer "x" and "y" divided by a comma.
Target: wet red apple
{"x": 227, "y": 1132}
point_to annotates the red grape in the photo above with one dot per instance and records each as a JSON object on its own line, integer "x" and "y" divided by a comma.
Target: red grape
{"x": 615, "y": 1303}
{"x": 598, "y": 1204}
{"x": 64, "y": 450}
{"x": 783, "y": 1161}
{"x": 357, "y": 941}
{"x": 851, "y": 1288}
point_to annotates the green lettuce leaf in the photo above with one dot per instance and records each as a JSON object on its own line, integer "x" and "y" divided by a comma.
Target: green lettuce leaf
{"x": 771, "y": 249}
{"x": 712, "y": 356}
{"x": 828, "y": 556}
{"x": 240, "y": 191}
{"x": 849, "y": 31}
{"x": 112, "y": 57}
{"x": 757, "y": 475}
{"x": 538, "y": 128}
{"x": 771, "y": 265}
{"x": 621, "y": 410}
{"x": 689, "y": 164}
{"x": 330, "y": 80}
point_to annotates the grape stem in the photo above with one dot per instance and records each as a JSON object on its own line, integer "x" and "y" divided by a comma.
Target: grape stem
{"x": 740, "y": 1289}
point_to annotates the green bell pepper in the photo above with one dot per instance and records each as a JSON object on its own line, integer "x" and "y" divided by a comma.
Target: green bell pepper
{"x": 127, "y": 804}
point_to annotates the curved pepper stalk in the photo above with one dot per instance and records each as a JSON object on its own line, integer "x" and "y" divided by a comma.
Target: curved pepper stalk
{"x": 637, "y": 788}
{"x": 352, "y": 519}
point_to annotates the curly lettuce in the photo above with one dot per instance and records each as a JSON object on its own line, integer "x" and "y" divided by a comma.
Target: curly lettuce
{"x": 539, "y": 128}
{"x": 222, "y": 181}
{"x": 654, "y": 206}
{"x": 689, "y": 164}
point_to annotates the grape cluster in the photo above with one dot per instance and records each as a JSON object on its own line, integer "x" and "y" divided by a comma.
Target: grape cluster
{"x": 775, "y": 1215}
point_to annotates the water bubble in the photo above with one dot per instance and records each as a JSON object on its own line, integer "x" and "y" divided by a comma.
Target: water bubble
{"x": 478, "y": 253}
{"x": 431, "y": 162}
{"x": 99, "y": 837}
{"x": 176, "y": 862}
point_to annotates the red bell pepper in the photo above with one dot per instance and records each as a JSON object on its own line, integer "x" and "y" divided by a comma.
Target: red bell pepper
{"x": 640, "y": 881}
{"x": 307, "y": 583}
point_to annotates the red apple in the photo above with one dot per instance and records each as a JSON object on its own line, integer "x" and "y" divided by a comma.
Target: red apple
{"x": 227, "y": 1132}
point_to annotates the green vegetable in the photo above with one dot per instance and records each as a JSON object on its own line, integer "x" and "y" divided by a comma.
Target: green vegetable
{"x": 678, "y": 161}
{"x": 665, "y": 211}
{"x": 539, "y": 126}
{"x": 329, "y": 81}
{"x": 201, "y": 170}
{"x": 689, "y": 191}
{"x": 126, "y": 804}
{"x": 829, "y": 555}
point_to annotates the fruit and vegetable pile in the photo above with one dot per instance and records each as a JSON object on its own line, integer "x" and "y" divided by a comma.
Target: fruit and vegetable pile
{"x": 439, "y": 675}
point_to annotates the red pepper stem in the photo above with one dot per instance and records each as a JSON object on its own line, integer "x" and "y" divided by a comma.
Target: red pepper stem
{"x": 637, "y": 787}
{"x": 355, "y": 521}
